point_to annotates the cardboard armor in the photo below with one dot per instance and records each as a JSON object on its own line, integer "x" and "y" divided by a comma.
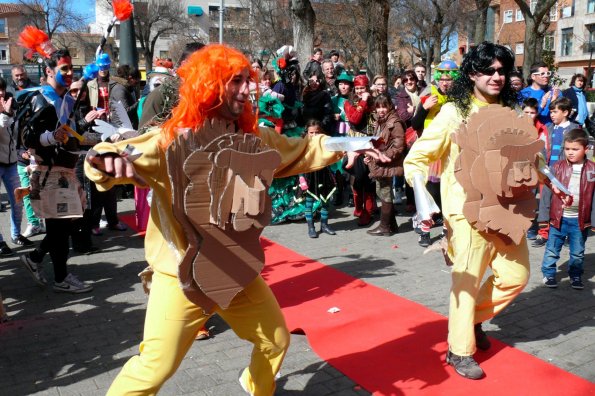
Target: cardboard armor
{"x": 219, "y": 179}
{"x": 497, "y": 168}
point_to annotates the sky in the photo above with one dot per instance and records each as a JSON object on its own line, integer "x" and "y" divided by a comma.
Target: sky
{"x": 87, "y": 8}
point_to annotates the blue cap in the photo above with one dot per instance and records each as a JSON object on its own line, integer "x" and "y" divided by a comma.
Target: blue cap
{"x": 103, "y": 61}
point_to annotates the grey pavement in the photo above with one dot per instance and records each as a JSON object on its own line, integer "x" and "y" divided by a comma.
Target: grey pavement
{"x": 58, "y": 344}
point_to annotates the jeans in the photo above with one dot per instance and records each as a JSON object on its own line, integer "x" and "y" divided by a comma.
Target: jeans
{"x": 29, "y": 212}
{"x": 576, "y": 242}
{"x": 10, "y": 178}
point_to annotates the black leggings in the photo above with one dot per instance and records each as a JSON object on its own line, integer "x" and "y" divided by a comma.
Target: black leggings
{"x": 57, "y": 243}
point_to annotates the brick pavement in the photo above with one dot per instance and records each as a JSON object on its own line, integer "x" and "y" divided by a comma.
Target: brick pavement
{"x": 59, "y": 344}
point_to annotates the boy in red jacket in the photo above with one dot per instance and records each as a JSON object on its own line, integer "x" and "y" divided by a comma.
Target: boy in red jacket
{"x": 572, "y": 220}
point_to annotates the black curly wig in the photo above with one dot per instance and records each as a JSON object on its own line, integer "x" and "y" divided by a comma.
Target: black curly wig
{"x": 478, "y": 59}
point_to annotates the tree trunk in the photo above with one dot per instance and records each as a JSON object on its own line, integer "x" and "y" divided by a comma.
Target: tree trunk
{"x": 480, "y": 26}
{"x": 529, "y": 46}
{"x": 376, "y": 12}
{"x": 303, "y": 21}
{"x": 481, "y": 21}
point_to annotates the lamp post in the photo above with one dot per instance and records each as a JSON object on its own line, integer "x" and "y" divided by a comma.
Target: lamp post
{"x": 128, "y": 53}
{"x": 221, "y": 13}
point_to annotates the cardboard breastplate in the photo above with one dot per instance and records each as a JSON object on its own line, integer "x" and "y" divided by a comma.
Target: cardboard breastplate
{"x": 219, "y": 179}
{"x": 497, "y": 168}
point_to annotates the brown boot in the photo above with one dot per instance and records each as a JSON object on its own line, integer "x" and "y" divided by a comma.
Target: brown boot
{"x": 384, "y": 228}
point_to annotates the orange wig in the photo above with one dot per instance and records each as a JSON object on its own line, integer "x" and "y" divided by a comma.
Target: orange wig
{"x": 204, "y": 76}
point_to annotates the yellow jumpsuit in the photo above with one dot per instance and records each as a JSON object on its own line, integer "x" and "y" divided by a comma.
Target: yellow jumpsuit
{"x": 172, "y": 320}
{"x": 471, "y": 251}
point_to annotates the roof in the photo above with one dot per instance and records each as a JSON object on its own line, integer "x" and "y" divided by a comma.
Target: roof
{"x": 7, "y": 8}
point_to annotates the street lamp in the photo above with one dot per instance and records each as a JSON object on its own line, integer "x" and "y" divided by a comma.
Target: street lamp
{"x": 128, "y": 53}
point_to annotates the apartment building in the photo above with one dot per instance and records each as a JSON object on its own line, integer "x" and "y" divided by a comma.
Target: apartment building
{"x": 506, "y": 26}
{"x": 575, "y": 46}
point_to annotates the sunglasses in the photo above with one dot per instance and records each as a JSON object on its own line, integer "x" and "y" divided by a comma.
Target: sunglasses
{"x": 490, "y": 71}
{"x": 405, "y": 80}
{"x": 542, "y": 74}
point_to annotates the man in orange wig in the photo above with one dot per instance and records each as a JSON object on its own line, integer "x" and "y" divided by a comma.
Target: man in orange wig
{"x": 214, "y": 91}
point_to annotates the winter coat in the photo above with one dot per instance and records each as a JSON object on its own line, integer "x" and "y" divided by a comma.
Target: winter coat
{"x": 392, "y": 135}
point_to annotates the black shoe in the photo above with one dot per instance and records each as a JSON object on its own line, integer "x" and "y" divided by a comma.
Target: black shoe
{"x": 326, "y": 229}
{"x": 539, "y": 242}
{"x": 22, "y": 241}
{"x": 481, "y": 338}
{"x": 5, "y": 250}
{"x": 2, "y": 207}
{"x": 576, "y": 283}
{"x": 550, "y": 281}
{"x": 350, "y": 203}
{"x": 424, "y": 239}
{"x": 312, "y": 231}
{"x": 465, "y": 366}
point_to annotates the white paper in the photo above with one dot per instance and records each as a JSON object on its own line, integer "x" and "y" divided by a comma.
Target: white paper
{"x": 349, "y": 143}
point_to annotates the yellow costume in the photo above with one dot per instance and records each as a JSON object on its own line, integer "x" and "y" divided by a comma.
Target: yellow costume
{"x": 172, "y": 320}
{"x": 470, "y": 250}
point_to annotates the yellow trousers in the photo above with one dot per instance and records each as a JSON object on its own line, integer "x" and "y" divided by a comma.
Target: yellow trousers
{"x": 470, "y": 301}
{"x": 171, "y": 324}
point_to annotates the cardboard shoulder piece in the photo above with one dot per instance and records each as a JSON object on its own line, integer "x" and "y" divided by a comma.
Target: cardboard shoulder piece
{"x": 219, "y": 179}
{"x": 497, "y": 168}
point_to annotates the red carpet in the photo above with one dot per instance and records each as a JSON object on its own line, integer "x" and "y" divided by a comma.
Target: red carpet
{"x": 130, "y": 220}
{"x": 392, "y": 346}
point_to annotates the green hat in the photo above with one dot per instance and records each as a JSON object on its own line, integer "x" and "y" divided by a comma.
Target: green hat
{"x": 344, "y": 76}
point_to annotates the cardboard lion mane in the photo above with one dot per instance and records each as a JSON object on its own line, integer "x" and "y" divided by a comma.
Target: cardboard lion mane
{"x": 497, "y": 168}
{"x": 219, "y": 179}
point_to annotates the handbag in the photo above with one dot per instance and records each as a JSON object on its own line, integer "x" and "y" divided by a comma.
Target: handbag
{"x": 411, "y": 136}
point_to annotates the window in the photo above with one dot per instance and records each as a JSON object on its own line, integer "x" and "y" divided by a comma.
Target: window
{"x": 508, "y": 16}
{"x": 532, "y": 5}
{"x": 548, "y": 42}
{"x": 163, "y": 54}
{"x": 590, "y": 6}
{"x": 589, "y": 44}
{"x": 74, "y": 52}
{"x": 519, "y": 49}
{"x": 566, "y": 49}
{"x": 519, "y": 16}
{"x": 4, "y": 54}
{"x": 554, "y": 12}
{"x": 3, "y": 29}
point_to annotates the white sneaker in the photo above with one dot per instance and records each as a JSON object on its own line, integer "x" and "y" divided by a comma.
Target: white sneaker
{"x": 35, "y": 269}
{"x": 72, "y": 284}
{"x": 33, "y": 230}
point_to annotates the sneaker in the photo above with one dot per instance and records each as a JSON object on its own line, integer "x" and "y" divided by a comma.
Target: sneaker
{"x": 531, "y": 234}
{"x": 539, "y": 241}
{"x": 424, "y": 239}
{"x": 465, "y": 366}
{"x": 72, "y": 284}
{"x": 32, "y": 230}
{"x": 35, "y": 269}
{"x": 5, "y": 250}
{"x": 119, "y": 226}
{"x": 481, "y": 338}
{"x": 96, "y": 231}
{"x": 576, "y": 283}
{"x": 22, "y": 241}
{"x": 550, "y": 281}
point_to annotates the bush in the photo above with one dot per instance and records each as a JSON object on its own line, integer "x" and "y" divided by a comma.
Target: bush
{"x": 590, "y": 95}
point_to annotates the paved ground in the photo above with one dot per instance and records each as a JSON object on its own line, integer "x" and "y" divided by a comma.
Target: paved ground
{"x": 74, "y": 345}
